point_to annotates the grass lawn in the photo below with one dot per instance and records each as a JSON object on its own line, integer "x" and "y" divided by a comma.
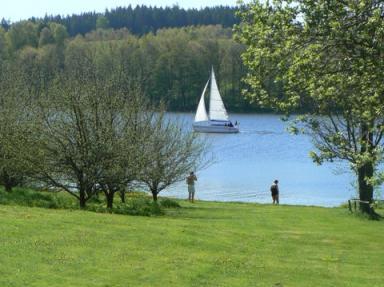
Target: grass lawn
{"x": 201, "y": 244}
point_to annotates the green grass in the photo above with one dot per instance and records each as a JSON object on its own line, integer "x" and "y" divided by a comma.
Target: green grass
{"x": 201, "y": 244}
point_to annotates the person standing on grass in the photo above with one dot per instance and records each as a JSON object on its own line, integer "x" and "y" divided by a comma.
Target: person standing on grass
{"x": 191, "y": 186}
{"x": 275, "y": 192}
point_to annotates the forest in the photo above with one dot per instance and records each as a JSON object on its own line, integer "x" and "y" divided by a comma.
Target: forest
{"x": 140, "y": 20}
{"x": 170, "y": 65}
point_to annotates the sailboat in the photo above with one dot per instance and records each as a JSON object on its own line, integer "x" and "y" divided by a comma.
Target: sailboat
{"x": 217, "y": 121}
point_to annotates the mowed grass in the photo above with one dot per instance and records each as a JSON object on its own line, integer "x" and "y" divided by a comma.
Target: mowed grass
{"x": 201, "y": 244}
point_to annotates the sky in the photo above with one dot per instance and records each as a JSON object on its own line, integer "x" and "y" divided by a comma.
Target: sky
{"x": 16, "y": 10}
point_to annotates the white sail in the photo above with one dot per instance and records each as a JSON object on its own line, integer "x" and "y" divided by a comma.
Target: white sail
{"x": 217, "y": 110}
{"x": 218, "y": 121}
{"x": 201, "y": 113}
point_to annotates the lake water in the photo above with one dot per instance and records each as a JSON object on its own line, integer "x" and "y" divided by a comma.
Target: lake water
{"x": 246, "y": 164}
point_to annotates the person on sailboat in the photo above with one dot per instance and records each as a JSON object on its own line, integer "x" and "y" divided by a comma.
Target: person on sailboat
{"x": 191, "y": 186}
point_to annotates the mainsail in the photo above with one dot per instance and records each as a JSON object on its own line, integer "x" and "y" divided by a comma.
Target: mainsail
{"x": 217, "y": 110}
{"x": 201, "y": 113}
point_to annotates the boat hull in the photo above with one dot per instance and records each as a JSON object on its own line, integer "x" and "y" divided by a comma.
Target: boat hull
{"x": 214, "y": 127}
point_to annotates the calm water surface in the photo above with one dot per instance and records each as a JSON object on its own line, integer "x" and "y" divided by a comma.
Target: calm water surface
{"x": 247, "y": 163}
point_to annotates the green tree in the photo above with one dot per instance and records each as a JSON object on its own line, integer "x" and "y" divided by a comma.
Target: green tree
{"x": 16, "y": 125}
{"x": 46, "y": 37}
{"x": 23, "y": 33}
{"x": 59, "y": 33}
{"x": 3, "y": 47}
{"x": 102, "y": 22}
{"x": 121, "y": 132}
{"x": 327, "y": 56}
{"x": 123, "y": 124}
{"x": 92, "y": 126}
{"x": 68, "y": 147}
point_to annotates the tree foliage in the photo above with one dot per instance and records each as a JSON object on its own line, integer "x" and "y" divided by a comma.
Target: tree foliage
{"x": 326, "y": 56}
{"x": 142, "y": 19}
{"x": 85, "y": 137}
{"x": 16, "y": 127}
{"x": 171, "y": 66}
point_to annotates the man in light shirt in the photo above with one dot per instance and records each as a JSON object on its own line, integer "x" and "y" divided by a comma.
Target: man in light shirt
{"x": 191, "y": 186}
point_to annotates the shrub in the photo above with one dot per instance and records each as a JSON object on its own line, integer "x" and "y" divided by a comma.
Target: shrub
{"x": 140, "y": 206}
{"x": 144, "y": 206}
{"x": 32, "y": 198}
{"x": 169, "y": 203}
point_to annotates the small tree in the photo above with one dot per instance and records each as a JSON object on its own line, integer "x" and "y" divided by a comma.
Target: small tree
{"x": 70, "y": 149}
{"x": 171, "y": 153}
{"x": 125, "y": 124}
{"x": 68, "y": 158}
{"x": 92, "y": 126}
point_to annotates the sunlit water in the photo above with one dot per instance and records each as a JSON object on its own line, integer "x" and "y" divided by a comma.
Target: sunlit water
{"x": 247, "y": 163}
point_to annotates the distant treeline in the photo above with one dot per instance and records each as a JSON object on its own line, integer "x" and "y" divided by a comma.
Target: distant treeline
{"x": 142, "y": 19}
{"x": 170, "y": 66}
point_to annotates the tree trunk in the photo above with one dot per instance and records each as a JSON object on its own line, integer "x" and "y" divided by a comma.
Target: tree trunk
{"x": 122, "y": 196}
{"x": 365, "y": 189}
{"x": 82, "y": 198}
{"x": 7, "y": 181}
{"x": 154, "y": 195}
{"x": 365, "y": 172}
{"x": 109, "y": 196}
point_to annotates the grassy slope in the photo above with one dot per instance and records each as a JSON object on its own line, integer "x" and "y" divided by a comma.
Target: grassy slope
{"x": 205, "y": 244}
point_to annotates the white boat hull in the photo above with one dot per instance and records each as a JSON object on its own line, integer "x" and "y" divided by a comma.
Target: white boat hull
{"x": 214, "y": 127}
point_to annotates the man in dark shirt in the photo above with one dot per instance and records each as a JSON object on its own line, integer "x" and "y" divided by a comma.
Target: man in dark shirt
{"x": 275, "y": 192}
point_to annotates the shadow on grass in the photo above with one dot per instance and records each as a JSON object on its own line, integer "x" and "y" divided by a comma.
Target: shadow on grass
{"x": 204, "y": 212}
{"x": 136, "y": 204}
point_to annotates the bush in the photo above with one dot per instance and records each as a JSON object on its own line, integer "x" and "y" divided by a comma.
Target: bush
{"x": 32, "y": 198}
{"x": 144, "y": 206}
{"x": 141, "y": 206}
{"x": 169, "y": 203}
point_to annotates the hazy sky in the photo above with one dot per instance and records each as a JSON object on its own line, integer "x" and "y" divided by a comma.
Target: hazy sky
{"x": 15, "y": 10}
